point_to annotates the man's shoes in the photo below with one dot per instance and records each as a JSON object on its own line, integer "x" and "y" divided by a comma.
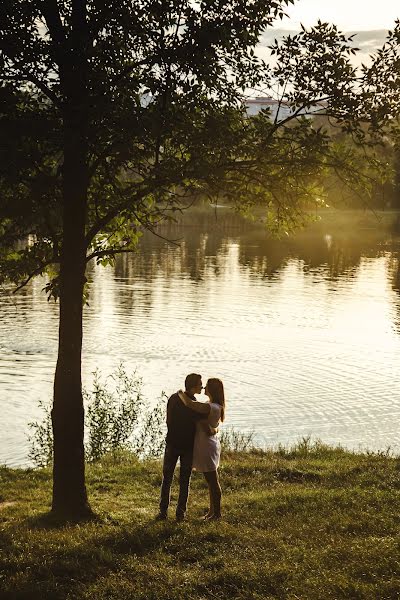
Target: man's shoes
{"x": 180, "y": 516}
{"x": 162, "y": 516}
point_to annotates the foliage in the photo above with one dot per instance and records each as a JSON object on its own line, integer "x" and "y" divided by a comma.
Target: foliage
{"x": 317, "y": 60}
{"x": 41, "y": 438}
{"x": 381, "y": 97}
{"x": 117, "y": 419}
{"x": 112, "y": 415}
{"x": 162, "y": 83}
{"x": 236, "y": 441}
{"x": 381, "y": 81}
{"x": 166, "y": 123}
{"x": 150, "y": 439}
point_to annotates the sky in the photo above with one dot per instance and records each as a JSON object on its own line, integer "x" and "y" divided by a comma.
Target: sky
{"x": 369, "y": 20}
{"x": 348, "y": 15}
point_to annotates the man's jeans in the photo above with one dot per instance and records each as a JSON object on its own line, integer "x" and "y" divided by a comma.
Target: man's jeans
{"x": 170, "y": 459}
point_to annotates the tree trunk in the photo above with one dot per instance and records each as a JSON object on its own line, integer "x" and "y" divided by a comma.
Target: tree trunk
{"x": 69, "y": 491}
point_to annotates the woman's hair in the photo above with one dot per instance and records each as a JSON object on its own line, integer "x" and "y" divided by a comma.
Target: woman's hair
{"x": 216, "y": 389}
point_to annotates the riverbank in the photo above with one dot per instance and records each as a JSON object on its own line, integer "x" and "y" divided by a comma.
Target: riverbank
{"x": 309, "y": 523}
{"x": 323, "y": 220}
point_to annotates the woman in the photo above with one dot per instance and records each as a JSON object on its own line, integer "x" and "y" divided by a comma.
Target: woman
{"x": 206, "y": 449}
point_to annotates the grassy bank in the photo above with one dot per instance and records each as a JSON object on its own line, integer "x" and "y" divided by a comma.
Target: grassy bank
{"x": 309, "y": 523}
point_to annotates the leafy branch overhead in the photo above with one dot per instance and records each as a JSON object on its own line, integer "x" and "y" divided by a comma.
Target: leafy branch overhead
{"x": 165, "y": 107}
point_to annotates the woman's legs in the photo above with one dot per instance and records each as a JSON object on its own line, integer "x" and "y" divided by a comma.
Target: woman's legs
{"x": 211, "y": 509}
{"x": 214, "y": 489}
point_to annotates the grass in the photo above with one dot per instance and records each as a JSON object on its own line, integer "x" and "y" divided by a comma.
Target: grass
{"x": 311, "y": 522}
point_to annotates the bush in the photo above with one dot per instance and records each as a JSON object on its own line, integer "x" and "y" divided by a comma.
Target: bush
{"x": 112, "y": 415}
{"x": 41, "y": 440}
{"x": 236, "y": 441}
{"x": 116, "y": 419}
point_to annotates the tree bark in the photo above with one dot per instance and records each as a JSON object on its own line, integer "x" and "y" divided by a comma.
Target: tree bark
{"x": 69, "y": 491}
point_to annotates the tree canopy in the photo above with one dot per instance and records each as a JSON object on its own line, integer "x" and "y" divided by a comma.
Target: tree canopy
{"x": 165, "y": 87}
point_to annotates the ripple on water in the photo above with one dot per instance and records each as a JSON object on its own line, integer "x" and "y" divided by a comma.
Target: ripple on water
{"x": 301, "y": 351}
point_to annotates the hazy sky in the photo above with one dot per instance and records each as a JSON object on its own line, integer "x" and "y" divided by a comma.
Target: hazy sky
{"x": 347, "y": 14}
{"x": 369, "y": 20}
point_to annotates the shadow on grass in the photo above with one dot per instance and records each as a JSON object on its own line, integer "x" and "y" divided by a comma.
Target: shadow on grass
{"x": 49, "y": 520}
{"x": 139, "y": 539}
{"x": 73, "y": 566}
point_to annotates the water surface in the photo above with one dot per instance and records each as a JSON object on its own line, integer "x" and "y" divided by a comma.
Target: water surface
{"x": 304, "y": 332}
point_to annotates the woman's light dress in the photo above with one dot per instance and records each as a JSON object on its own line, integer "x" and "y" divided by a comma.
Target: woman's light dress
{"x": 207, "y": 448}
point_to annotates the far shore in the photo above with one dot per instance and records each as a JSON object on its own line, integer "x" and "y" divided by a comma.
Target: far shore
{"x": 327, "y": 219}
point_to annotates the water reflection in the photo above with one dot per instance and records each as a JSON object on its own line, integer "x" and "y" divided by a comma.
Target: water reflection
{"x": 259, "y": 253}
{"x": 304, "y": 331}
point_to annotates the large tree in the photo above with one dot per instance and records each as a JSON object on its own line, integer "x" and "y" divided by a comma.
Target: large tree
{"x": 114, "y": 114}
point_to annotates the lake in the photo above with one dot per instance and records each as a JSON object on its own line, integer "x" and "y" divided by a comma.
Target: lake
{"x": 304, "y": 332}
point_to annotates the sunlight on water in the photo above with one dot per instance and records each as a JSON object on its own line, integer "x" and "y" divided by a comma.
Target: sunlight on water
{"x": 304, "y": 334}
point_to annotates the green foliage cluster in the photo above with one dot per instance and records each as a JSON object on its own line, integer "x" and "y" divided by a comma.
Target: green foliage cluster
{"x": 166, "y": 121}
{"x": 117, "y": 419}
{"x": 162, "y": 83}
{"x": 310, "y": 522}
{"x": 236, "y": 441}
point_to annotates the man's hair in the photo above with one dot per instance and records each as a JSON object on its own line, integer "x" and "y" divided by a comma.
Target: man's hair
{"x": 192, "y": 380}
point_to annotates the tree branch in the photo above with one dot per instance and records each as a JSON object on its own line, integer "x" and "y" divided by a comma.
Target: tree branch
{"x": 36, "y": 272}
{"x": 53, "y": 21}
{"x": 115, "y": 251}
{"x": 109, "y": 252}
{"x": 151, "y": 229}
{"x": 39, "y": 84}
{"x": 105, "y": 220}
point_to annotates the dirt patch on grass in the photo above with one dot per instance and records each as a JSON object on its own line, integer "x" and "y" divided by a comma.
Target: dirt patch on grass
{"x": 5, "y": 504}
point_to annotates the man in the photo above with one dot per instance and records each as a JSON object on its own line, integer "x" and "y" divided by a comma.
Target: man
{"x": 181, "y": 424}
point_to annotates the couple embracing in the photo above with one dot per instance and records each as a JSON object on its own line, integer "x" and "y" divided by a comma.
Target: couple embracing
{"x": 192, "y": 437}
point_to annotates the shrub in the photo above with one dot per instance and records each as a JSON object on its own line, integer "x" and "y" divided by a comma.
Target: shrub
{"x": 116, "y": 419}
{"x": 41, "y": 439}
{"x": 112, "y": 413}
{"x": 236, "y": 441}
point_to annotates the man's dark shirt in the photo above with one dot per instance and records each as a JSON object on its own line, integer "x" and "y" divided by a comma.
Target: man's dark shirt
{"x": 181, "y": 422}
